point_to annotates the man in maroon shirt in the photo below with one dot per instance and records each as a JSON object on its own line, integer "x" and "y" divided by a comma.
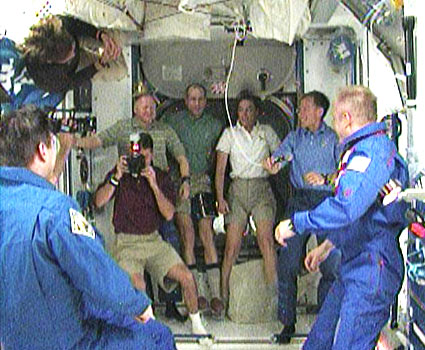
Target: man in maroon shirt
{"x": 142, "y": 201}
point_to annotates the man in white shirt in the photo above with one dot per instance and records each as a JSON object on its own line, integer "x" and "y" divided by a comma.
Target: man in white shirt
{"x": 247, "y": 144}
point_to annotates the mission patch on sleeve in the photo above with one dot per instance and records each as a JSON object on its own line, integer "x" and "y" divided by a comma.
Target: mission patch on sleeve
{"x": 79, "y": 224}
{"x": 359, "y": 164}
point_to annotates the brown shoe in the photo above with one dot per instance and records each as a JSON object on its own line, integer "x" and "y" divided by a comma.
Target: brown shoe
{"x": 202, "y": 303}
{"x": 217, "y": 307}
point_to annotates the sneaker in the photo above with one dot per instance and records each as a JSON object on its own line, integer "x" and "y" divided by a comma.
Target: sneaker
{"x": 285, "y": 336}
{"x": 197, "y": 326}
{"x": 217, "y": 307}
{"x": 199, "y": 329}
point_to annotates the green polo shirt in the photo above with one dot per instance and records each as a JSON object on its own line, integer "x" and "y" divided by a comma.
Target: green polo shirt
{"x": 199, "y": 137}
{"x": 164, "y": 139}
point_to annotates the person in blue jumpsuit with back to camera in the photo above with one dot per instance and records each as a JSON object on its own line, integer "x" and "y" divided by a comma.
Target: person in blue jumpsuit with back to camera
{"x": 58, "y": 287}
{"x": 360, "y": 220}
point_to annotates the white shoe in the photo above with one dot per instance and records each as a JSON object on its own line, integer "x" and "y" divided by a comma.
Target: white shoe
{"x": 197, "y": 326}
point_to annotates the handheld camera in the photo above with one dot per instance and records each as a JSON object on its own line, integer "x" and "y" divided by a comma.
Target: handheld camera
{"x": 80, "y": 125}
{"x": 135, "y": 159}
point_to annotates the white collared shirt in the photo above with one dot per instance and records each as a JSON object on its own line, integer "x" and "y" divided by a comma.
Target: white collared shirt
{"x": 247, "y": 150}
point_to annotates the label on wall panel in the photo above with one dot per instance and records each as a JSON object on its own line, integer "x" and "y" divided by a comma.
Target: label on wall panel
{"x": 172, "y": 73}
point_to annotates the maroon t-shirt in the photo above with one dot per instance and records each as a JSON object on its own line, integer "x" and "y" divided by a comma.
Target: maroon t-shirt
{"x": 135, "y": 207}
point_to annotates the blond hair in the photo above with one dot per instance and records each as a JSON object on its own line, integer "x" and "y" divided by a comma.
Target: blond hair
{"x": 362, "y": 102}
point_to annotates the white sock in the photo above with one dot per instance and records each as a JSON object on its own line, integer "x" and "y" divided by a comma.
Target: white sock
{"x": 197, "y": 326}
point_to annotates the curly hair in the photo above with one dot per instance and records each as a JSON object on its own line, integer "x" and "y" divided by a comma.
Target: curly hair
{"x": 21, "y": 132}
{"x": 48, "y": 39}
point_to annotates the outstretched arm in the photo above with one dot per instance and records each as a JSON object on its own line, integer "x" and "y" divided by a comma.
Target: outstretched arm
{"x": 88, "y": 142}
{"x": 65, "y": 142}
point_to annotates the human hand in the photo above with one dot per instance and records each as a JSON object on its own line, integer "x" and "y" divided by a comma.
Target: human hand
{"x": 184, "y": 190}
{"x": 121, "y": 167}
{"x": 146, "y": 315}
{"x": 283, "y": 232}
{"x": 270, "y": 166}
{"x": 150, "y": 175}
{"x": 111, "y": 50}
{"x": 222, "y": 206}
{"x": 313, "y": 178}
{"x": 316, "y": 256}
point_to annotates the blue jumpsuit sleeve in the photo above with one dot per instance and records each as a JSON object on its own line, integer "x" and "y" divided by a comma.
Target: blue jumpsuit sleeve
{"x": 91, "y": 270}
{"x": 356, "y": 192}
{"x": 286, "y": 148}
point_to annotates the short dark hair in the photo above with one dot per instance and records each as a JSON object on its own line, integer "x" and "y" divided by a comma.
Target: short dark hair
{"x": 21, "y": 131}
{"x": 247, "y": 95}
{"x": 145, "y": 141}
{"x": 195, "y": 86}
{"x": 137, "y": 97}
{"x": 48, "y": 40}
{"x": 319, "y": 99}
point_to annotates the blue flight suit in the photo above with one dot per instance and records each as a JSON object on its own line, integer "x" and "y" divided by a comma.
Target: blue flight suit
{"x": 59, "y": 288}
{"x": 358, "y": 303}
{"x": 307, "y": 151}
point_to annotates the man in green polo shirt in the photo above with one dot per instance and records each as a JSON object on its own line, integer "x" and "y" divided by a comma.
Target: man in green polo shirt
{"x": 199, "y": 132}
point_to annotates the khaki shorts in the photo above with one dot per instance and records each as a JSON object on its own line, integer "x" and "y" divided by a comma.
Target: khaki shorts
{"x": 250, "y": 197}
{"x": 198, "y": 183}
{"x": 136, "y": 253}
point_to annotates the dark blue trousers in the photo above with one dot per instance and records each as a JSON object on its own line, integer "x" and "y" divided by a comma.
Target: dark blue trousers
{"x": 357, "y": 306}
{"x": 290, "y": 262}
{"x": 291, "y": 259}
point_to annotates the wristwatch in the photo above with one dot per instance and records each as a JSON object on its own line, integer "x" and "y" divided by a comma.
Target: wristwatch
{"x": 114, "y": 181}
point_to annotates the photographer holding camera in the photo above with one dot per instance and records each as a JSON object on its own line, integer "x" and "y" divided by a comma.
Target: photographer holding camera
{"x": 144, "y": 197}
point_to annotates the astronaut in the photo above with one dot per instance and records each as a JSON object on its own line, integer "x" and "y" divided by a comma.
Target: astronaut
{"x": 58, "y": 287}
{"x": 358, "y": 222}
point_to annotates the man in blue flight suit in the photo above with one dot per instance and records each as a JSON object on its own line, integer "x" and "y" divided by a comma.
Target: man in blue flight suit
{"x": 58, "y": 287}
{"x": 311, "y": 148}
{"x": 360, "y": 222}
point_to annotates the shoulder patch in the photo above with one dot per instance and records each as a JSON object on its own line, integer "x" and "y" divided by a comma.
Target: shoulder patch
{"x": 359, "y": 164}
{"x": 79, "y": 224}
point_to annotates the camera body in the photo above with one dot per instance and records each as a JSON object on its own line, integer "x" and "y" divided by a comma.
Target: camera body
{"x": 135, "y": 159}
